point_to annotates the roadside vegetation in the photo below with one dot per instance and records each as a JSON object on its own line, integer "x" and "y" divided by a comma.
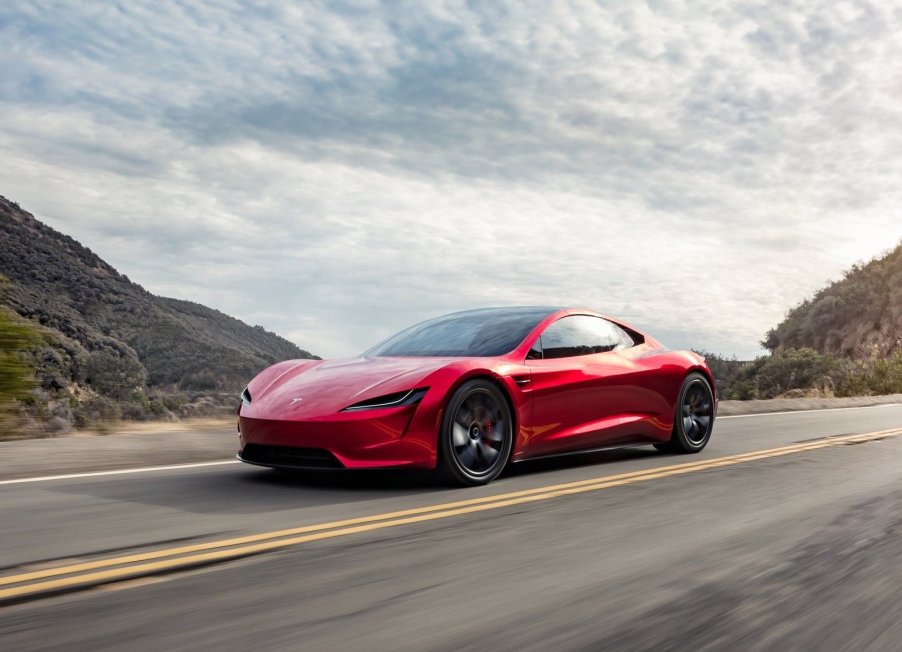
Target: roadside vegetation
{"x": 805, "y": 373}
{"x": 16, "y": 371}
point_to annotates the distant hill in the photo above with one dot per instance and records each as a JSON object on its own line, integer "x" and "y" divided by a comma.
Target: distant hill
{"x": 108, "y": 335}
{"x": 846, "y": 340}
{"x": 859, "y": 316}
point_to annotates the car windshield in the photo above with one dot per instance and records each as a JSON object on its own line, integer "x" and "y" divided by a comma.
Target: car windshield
{"x": 474, "y": 333}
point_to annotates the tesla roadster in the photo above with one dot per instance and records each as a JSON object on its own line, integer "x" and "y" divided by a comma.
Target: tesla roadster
{"x": 469, "y": 392}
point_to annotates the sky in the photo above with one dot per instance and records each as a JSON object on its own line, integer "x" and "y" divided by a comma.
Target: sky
{"x": 335, "y": 171}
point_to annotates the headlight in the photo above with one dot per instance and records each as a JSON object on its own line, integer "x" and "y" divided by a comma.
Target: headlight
{"x": 246, "y": 396}
{"x": 410, "y": 397}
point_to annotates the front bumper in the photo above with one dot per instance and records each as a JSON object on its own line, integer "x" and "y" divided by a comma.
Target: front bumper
{"x": 288, "y": 457}
{"x": 394, "y": 437}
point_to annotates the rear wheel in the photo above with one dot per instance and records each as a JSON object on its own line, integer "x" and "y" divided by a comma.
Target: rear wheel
{"x": 694, "y": 417}
{"x": 477, "y": 434}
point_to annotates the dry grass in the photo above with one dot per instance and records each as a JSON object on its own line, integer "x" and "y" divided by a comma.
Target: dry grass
{"x": 137, "y": 428}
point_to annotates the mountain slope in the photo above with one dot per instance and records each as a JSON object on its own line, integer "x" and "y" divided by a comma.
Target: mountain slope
{"x": 111, "y": 335}
{"x": 859, "y": 316}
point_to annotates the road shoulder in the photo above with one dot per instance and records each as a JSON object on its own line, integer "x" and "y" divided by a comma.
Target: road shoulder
{"x": 134, "y": 447}
{"x": 732, "y": 408}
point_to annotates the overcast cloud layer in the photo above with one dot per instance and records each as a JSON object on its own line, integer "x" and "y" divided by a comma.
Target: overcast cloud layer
{"x": 336, "y": 170}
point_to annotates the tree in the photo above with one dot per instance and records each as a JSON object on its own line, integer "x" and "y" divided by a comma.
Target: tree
{"x": 16, "y": 337}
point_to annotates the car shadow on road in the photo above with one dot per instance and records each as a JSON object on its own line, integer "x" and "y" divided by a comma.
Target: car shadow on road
{"x": 376, "y": 480}
{"x": 418, "y": 480}
{"x": 246, "y": 490}
{"x": 598, "y": 458}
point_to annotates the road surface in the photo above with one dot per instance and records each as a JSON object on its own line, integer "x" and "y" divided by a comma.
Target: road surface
{"x": 785, "y": 533}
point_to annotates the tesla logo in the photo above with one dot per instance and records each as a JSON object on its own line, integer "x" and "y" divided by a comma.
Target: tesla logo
{"x": 295, "y": 400}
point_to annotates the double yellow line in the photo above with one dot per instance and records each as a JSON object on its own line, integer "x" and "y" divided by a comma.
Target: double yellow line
{"x": 62, "y": 578}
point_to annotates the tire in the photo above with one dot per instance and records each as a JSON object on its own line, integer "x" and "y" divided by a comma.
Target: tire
{"x": 693, "y": 417}
{"x": 476, "y": 438}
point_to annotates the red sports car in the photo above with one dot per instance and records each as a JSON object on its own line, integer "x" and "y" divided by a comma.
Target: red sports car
{"x": 469, "y": 392}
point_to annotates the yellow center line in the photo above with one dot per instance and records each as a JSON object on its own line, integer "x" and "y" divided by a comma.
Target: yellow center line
{"x": 233, "y": 548}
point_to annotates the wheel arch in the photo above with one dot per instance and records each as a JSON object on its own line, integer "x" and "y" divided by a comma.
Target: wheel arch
{"x": 706, "y": 372}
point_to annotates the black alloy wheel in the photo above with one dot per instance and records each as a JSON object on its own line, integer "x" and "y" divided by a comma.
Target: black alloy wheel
{"x": 694, "y": 418}
{"x": 477, "y": 434}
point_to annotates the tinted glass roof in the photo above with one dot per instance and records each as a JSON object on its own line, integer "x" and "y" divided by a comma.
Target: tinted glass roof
{"x": 480, "y": 332}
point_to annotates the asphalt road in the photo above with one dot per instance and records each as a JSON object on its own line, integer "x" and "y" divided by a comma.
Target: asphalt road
{"x": 795, "y": 549}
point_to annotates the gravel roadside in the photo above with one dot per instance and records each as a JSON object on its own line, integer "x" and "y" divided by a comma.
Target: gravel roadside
{"x": 731, "y": 408}
{"x": 133, "y": 446}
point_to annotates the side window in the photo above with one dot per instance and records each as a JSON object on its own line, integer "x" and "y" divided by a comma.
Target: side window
{"x": 582, "y": 335}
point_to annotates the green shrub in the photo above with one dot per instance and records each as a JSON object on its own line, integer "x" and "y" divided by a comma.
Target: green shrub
{"x": 724, "y": 370}
{"x": 792, "y": 369}
{"x": 115, "y": 376}
{"x": 875, "y": 376}
{"x": 16, "y": 374}
{"x": 97, "y": 410}
{"x": 806, "y": 370}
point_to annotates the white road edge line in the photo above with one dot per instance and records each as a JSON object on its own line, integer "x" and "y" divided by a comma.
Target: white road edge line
{"x": 176, "y": 467}
{"x": 143, "y": 469}
{"x": 768, "y": 414}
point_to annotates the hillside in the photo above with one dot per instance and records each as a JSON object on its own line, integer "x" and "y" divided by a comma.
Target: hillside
{"x": 846, "y": 340}
{"x": 111, "y": 337}
{"x": 859, "y": 316}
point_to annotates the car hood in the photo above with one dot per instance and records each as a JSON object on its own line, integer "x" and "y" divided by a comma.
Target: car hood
{"x": 325, "y": 387}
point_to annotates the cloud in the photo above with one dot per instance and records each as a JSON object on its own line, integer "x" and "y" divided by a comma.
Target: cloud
{"x": 337, "y": 170}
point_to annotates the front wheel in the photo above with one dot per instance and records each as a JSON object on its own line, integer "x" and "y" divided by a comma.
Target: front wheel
{"x": 693, "y": 418}
{"x": 477, "y": 434}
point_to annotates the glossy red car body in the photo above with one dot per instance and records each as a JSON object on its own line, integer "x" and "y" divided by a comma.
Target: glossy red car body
{"x": 298, "y": 407}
